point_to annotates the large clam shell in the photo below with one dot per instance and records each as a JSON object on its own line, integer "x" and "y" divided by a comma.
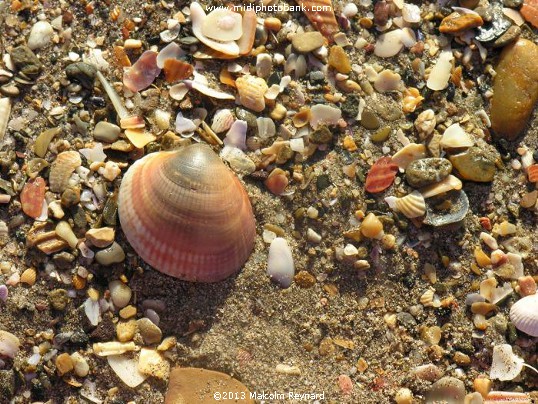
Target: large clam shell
{"x": 524, "y": 315}
{"x": 186, "y": 214}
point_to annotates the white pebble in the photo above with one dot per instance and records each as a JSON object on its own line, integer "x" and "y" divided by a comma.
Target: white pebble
{"x": 312, "y": 236}
{"x": 350, "y": 10}
{"x": 280, "y": 265}
{"x": 120, "y": 293}
{"x": 40, "y": 35}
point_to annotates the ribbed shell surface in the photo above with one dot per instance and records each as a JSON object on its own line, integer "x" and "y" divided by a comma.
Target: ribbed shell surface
{"x": 187, "y": 215}
{"x": 524, "y": 315}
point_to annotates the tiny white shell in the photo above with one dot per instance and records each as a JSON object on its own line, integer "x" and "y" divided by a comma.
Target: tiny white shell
{"x": 5, "y": 111}
{"x": 412, "y": 205}
{"x": 455, "y": 137}
{"x": 280, "y": 266}
{"x": 524, "y": 315}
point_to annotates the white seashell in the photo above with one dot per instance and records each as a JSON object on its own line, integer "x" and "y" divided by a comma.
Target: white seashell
{"x": 237, "y": 135}
{"x": 178, "y": 91}
{"x": 517, "y": 262}
{"x": 389, "y": 44}
{"x": 204, "y": 89}
{"x": 514, "y": 15}
{"x": 9, "y": 344}
{"x": 251, "y": 90}
{"x": 321, "y": 114}
{"x": 455, "y": 137}
{"x": 40, "y": 35}
{"x": 222, "y": 25}
{"x": 505, "y": 364}
{"x": 266, "y": 127}
{"x": 388, "y": 80}
{"x": 127, "y": 370}
{"x": 280, "y": 266}
{"x": 198, "y": 17}
{"x": 411, "y": 13}
{"x": 222, "y": 120}
{"x": 511, "y": 397}
{"x": 170, "y": 51}
{"x": 409, "y": 153}
{"x": 412, "y": 205}
{"x": 489, "y": 240}
{"x": 439, "y": 75}
{"x": 448, "y": 184}
{"x": 524, "y": 315}
{"x": 273, "y": 92}
{"x": 5, "y": 111}
{"x": 91, "y": 309}
{"x": 184, "y": 125}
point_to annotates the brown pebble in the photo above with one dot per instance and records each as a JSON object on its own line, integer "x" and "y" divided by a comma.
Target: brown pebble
{"x": 457, "y": 23}
{"x": 527, "y": 285}
{"x": 64, "y": 364}
{"x": 305, "y": 279}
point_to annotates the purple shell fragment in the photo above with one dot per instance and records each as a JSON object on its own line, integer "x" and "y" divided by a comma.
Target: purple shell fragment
{"x": 142, "y": 73}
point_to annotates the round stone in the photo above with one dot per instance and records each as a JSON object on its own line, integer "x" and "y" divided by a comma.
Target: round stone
{"x": 369, "y": 120}
{"x": 307, "y": 41}
{"x": 423, "y": 172}
{"x": 474, "y": 165}
{"x": 149, "y": 331}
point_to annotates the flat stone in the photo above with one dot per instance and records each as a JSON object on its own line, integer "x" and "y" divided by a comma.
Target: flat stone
{"x": 26, "y": 61}
{"x": 474, "y": 165}
{"x": 82, "y": 72}
{"x": 196, "y": 385}
{"x": 369, "y": 120}
{"x": 457, "y": 23}
{"x": 508, "y": 37}
{"x": 110, "y": 255}
{"x": 423, "y": 172}
{"x": 307, "y": 41}
{"x": 515, "y": 89}
{"x": 101, "y": 237}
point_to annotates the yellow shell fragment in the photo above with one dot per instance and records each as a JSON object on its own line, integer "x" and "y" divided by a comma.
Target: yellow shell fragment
{"x": 448, "y": 184}
{"x": 139, "y": 138}
{"x": 409, "y": 153}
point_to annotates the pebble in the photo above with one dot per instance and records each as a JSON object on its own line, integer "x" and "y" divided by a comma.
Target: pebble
{"x": 101, "y": 237}
{"x": 529, "y": 11}
{"x": 64, "y": 364}
{"x": 70, "y": 197}
{"x": 515, "y": 89}
{"x": 125, "y": 331}
{"x": 80, "y": 365}
{"x": 280, "y": 266}
{"x": 82, "y": 72}
{"x": 26, "y": 61}
{"x": 339, "y": 60}
{"x": 153, "y": 364}
{"x": 350, "y": 10}
{"x": 423, "y": 172}
{"x": 120, "y": 293}
{"x": 264, "y": 65}
{"x": 128, "y": 312}
{"x": 149, "y": 331}
{"x": 111, "y": 255}
{"x": 40, "y": 35}
{"x": 307, "y": 41}
{"x": 10, "y": 90}
{"x": 58, "y": 299}
{"x": 446, "y": 387}
{"x": 512, "y": 3}
{"x": 369, "y": 120}
{"x": 457, "y": 23}
{"x": 474, "y": 165}
{"x": 305, "y": 279}
{"x": 321, "y": 135}
{"x": 106, "y": 132}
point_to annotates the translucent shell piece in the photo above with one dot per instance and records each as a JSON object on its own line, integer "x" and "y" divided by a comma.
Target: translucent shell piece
{"x": 412, "y": 205}
{"x": 62, "y": 168}
{"x": 198, "y": 17}
{"x": 142, "y": 73}
{"x": 455, "y": 137}
{"x": 251, "y": 90}
{"x": 186, "y": 214}
{"x": 381, "y": 175}
{"x": 524, "y": 315}
{"x": 222, "y": 25}
{"x": 409, "y": 153}
{"x": 324, "y": 21}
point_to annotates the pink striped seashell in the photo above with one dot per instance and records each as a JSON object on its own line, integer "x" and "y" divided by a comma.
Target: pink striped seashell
{"x": 187, "y": 215}
{"x": 324, "y": 21}
{"x": 497, "y": 397}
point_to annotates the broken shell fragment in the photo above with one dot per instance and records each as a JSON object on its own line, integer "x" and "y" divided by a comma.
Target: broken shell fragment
{"x": 450, "y": 183}
{"x": 381, "y": 175}
{"x": 142, "y": 73}
{"x": 5, "y": 111}
{"x": 251, "y": 91}
{"x": 455, "y": 137}
{"x": 222, "y": 120}
{"x": 32, "y": 197}
{"x": 62, "y": 168}
{"x": 409, "y": 153}
{"x": 510, "y": 397}
{"x": 222, "y": 25}
{"x": 459, "y": 206}
{"x": 412, "y": 205}
{"x": 186, "y": 214}
{"x": 113, "y": 348}
{"x": 324, "y": 21}
{"x": 524, "y": 315}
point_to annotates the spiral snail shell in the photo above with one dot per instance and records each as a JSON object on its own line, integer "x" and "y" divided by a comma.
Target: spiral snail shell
{"x": 186, "y": 214}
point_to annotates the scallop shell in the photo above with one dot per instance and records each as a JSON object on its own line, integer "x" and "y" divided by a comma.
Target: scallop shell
{"x": 251, "y": 90}
{"x": 455, "y": 137}
{"x": 5, "y": 111}
{"x": 62, "y": 168}
{"x": 222, "y": 120}
{"x": 532, "y": 173}
{"x": 198, "y": 17}
{"x": 324, "y": 21}
{"x": 186, "y": 214}
{"x": 412, "y": 205}
{"x": 29, "y": 276}
{"x": 222, "y": 25}
{"x": 524, "y": 315}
